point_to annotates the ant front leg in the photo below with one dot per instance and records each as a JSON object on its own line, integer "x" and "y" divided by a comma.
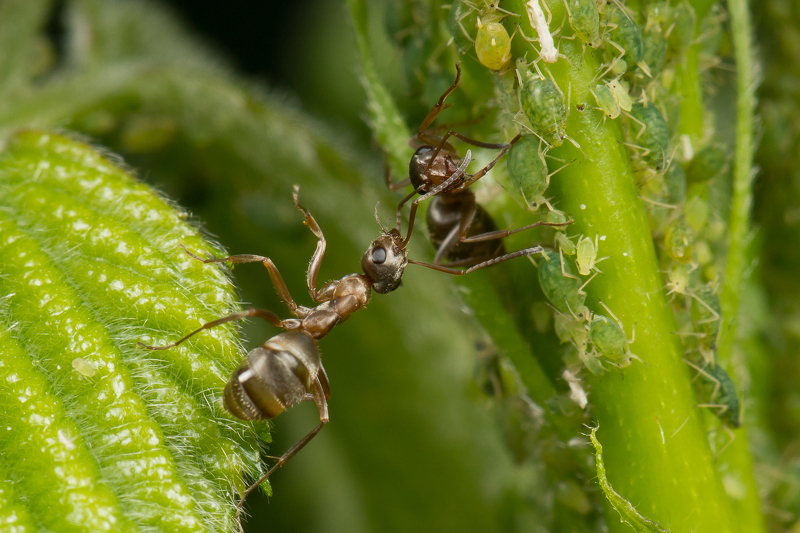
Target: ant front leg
{"x": 393, "y": 185}
{"x": 316, "y": 259}
{"x": 274, "y": 274}
{"x": 319, "y": 394}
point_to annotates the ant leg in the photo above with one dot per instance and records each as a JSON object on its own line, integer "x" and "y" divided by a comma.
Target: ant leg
{"x": 274, "y": 274}
{"x": 490, "y": 262}
{"x": 317, "y": 389}
{"x": 401, "y": 204}
{"x": 269, "y": 316}
{"x": 499, "y": 234}
{"x": 393, "y": 185}
{"x": 439, "y": 106}
{"x": 441, "y": 143}
{"x": 482, "y": 172}
{"x": 316, "y": 259}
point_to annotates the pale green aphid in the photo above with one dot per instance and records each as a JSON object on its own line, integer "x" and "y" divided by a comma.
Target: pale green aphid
{"x": 568, "y": 329}
{"x": 620, "y": 94}
{"x": 679, "y": 241}
{"x": 627, "y": 512}
{"x": 492, "y": 45}
{"x": 587, "y": 256}
{"x": 606, "y": 101}
{"x": 84, "y": 367}
{"x": 584, "y": 19}
{"x": 543, "y": 104}
{"x": 561, "y": 241}
{"x": 609, "y": 339}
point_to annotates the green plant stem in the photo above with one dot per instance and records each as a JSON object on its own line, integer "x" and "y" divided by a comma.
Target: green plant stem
{"x": 656, "y": 449}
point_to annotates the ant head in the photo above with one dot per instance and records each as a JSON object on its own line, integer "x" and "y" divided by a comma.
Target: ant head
{"x": 418, "y": 165}
{"x": 384, "y": 262}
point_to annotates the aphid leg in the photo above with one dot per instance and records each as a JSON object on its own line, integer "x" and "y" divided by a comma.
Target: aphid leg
{"x": 484, "y": 264}
{"x": 274, "y": 274}
{"x": 269, "y": 316}
{"x": 563, "y": 272}
{"x": 319, "y": 396}
{"x": 319, "y": 252}
{"x": 731, "y": 438}
{"x": 580, "y": 289}
{"x": 482, "y": 172}
{"x": 708, "y": 377}
{"x": 704, "y": 304}
{"x": 615, "y": 61}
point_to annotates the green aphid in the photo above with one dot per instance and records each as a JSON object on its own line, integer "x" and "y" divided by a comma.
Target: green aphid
{"x": 655, "y": 51}
{"x": 527, "y": 171}
{"x": 463, "y": 19}
{"x": 624, "y": 32}
{"x": 609, "y": 339}
{"x": 561, "y": 241}
{"x": 653, "y": 135}
{"x": 682, "y": 28}
{"x": 492, "y": 45}
{"x": 675, "y": 180}
{"x": 587, "y": 256}
{"x": 723, "y": 399}
{"x": 543, "y": 104}
{"x": 706, "y": 164}
{"x": 706, "y": 313}
{"x": 584, "y": 20}
{"x": 679, "y": 240}
{"x": 561, "y": 285}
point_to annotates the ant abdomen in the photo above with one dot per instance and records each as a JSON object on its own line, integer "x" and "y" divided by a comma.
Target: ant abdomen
{"x": 443, "y": 219}
{"x": 273, "y": 377}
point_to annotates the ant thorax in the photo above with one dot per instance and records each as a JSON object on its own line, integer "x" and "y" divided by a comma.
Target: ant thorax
{"x": 440, "y": 169}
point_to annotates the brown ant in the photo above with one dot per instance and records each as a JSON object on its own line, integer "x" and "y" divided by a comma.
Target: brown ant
{"x": 461, "y": 230}
{"x": 287, "y": 369}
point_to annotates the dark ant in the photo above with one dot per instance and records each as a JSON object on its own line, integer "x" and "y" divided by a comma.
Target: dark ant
{"x": 461, "y": 230}
{"x": 287, "y": 369}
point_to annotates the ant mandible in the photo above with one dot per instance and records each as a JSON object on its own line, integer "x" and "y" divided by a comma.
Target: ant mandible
{"x": 287, "y": 369}
{"x": 461, "y": 230}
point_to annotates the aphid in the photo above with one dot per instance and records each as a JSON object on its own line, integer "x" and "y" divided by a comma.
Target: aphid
{"x": 568, "y": 329}
{"x": 287, "y": 369}
{"x": 706, "y": 164}
{"x": 723, "y": 398}
{"x": 548, "y": 53}
{"x": 706, "y": 313}
{"x": 620, "y": 94}
{"x": 492, "y": 45}
{"x": 543, "y": 104}
{"x": 606, "y": 101}
{"x": 653, "y": 135}
{"x": 624, "y": 35}
{"x": 460, "y": 229}
{"x": 584, "y": 20}
{"x": 528, "y": 172}
{"x": 462, "y": 16}
{"x": 587, "y": 256}
{"x": 679, "y": 241}
{"x": 675, "y": 180}
{"x": 561, "y": 286}
{"x": 84, "y": 367}
{"x": 682, "y": 28}
{"x": 561, "y": 241}
{"x": 608, "y": 337}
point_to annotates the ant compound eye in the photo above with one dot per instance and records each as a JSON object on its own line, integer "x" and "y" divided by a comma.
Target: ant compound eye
{"x": 378, "y": 256}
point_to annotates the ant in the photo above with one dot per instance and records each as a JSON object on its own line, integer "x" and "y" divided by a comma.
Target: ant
{"x": 461, "y": 230}
{"x": 287, "y": 369}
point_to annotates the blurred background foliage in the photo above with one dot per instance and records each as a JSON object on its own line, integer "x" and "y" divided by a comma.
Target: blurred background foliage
{"x": 266, "y": 95}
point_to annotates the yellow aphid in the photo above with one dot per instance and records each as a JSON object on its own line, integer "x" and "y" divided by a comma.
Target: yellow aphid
{"x": 84, "y": 367}
{"x": 492, "y": 45}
